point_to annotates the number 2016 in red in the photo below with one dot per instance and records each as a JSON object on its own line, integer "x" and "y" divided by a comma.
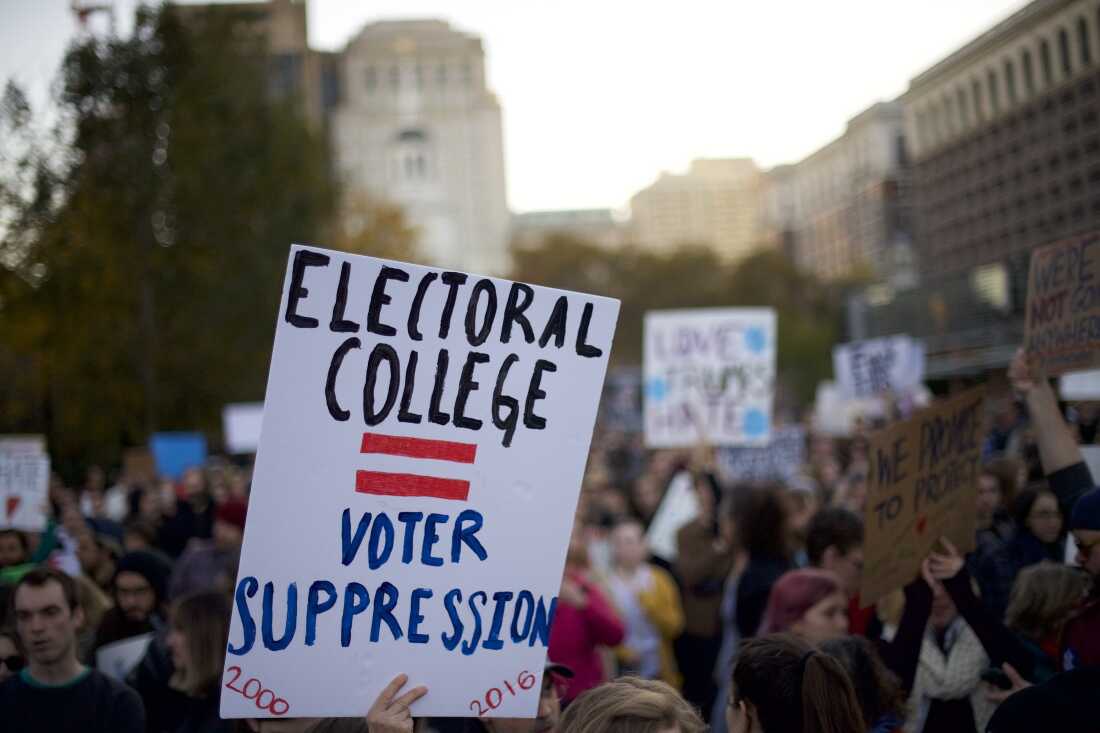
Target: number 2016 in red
{"x": 277, "y": 705}
{"x": 526, "y": 681}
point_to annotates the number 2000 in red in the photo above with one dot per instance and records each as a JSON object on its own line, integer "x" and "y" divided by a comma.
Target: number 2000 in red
{"x": 255, "y": 691}
{"x": 526, "y": 681}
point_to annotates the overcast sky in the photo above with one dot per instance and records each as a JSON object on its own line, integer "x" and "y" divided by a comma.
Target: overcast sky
{"x": 599, "y": 96}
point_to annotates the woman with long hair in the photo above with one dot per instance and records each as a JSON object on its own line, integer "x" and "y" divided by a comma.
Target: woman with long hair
{"x": 782, "y": 684}
{"x": 197, "y": 642}
{"x": 878, "y": 690}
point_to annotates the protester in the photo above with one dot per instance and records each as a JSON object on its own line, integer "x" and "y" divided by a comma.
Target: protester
{"x": 584, "y": 621}
{"x": 809, "y": 603}
{"x": 211, "y": 564}
{"x": 14, "y": 549}
{"x": 631, "y": 705}
{"x": 703, "y": 560}
{"x": 193, "y": 517}
{"x": 55, "y": 692}
{"x": 97, "y": 554}
{"x": 763, "y": 533}
{"x": 1044, "y": 599}
{"x": 11, "y": 656}
{"x": 881, "y": 699}
{"x": 649, "y": 605}
{"x": 1038, "y": 536}
{"x": 834, "y": 542}
{"x": 781, "y": 684}
{"x": 1066, "y": 703}
{"x": 197, "y": 642}
{"x": 139, "y": 586}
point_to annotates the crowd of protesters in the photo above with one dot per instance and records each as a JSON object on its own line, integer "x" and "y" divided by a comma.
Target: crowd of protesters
{"x": 746, "y": 619}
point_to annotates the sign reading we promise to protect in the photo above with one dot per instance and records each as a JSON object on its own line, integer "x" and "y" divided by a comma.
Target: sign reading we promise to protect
{"x": 424, "y": 438}
{"x": 921, "y": 486}
{"x": 1063, "y": 305}
{"x": 709, "y": 376}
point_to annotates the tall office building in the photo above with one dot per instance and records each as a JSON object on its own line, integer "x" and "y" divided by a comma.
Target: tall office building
{"x": 717, "y": 203}
{"x": 1005, "y": 139}
{"x": 417, "y": 126}
{"x": 843, "y": 209}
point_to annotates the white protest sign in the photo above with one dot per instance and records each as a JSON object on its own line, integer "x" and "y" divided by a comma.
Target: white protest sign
{"x": 709, "y": 376}
{"x": 876, "y": 366}
{"x": 1080, "y": 385}
{"x": 119, "y": 658}
{"x": 678, "y": 507}
{"x": 241, "y": 424}
{"x": 424, "y": 438}
{"x": 780, "y": 460}
{"x": 24, "y": 488}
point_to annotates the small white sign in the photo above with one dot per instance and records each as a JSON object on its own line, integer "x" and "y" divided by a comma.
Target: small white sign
{"x": 425, "y": 435}
{"x": 241, "y": 423}
{"x": 709, "y": 376}
{"x": 119, "y": 658}
{"x": 24, "y": 489}
{"x": 874, "y": 367}
{"x": 1080, "y": 385}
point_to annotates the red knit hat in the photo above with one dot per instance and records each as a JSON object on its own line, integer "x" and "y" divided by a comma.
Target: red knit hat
{"x": 232, "y": 511}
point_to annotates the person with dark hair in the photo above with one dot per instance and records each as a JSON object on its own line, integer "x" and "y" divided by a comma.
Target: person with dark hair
{"x": 55, "y": 692}
{"x": 834, "y": 542}
{"x": 878, "y": 690}
{"x": 631, "y": 705}
{"x": 211, "y": 564}
{"x": 11, "y": 655}
{"x": 763, "y": 533}
{"x": 809, "y": 603}
{"x": 704, "y": 558}
{"x": 782, "y": 684}
{"x": 192, "y": 517}
{"x": 1039, "y": 535}
{"x": 14, "y": 549}
{"x": 138, "y": 588}
{"x": 139, "y": 534}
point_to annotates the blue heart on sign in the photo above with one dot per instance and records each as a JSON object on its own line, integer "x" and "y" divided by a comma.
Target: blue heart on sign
{"x": 756, "y": 339}
{"x": 656, "y": 389}
{"x": 755, "y": 423}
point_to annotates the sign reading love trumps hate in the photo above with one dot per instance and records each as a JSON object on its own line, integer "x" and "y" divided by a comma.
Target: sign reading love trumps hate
{"x": 1062, "y": 331}
{"x": 709, "y": 376}
{"x": 423, "y": 442}
{"x": 921, "y": 486}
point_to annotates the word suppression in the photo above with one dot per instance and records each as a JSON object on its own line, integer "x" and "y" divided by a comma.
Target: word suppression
{"x": 390, "y": 385}
{"x": 478, "y": 619}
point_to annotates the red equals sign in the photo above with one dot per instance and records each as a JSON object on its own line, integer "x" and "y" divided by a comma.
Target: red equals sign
{"x": 384, "y": 483}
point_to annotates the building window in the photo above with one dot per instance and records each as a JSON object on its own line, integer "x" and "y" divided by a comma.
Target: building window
{"x": 395, "y": 77}
{"x": 1010, "y": 82}
{"x": 948, "y": 115}
{"x": 976, "y": 92}
{"x": 964, "y": 115}
{"x": 467, "y": 74}
{"x": 441, "y": 75}
{"x": 994, "y": 97}
{"x": 1064, "y": 53}
{"x": 1083, "y": 40}
{"x": 419, "y": 73}
{"x": 1029, "y": 73}
{"x": 1047, "y": 64}
{"x": 372, "y": 78}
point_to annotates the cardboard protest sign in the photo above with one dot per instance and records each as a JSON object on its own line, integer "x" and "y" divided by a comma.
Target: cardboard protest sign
{"x": 922, "y": 485}
{"x": 119, "y": 658}
{"x": 709, "y": 376}
{"x": 780, "y": 460}
{"x": 241, "y": 426}
{"x": 877, "y": 366}
{"x": 24, "y": 483}
{"x": 678, "y": 507}
{"x": 1062, "y": 332}
{"x": 424, "y": 438}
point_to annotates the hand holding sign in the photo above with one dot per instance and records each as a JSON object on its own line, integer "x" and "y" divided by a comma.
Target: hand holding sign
{"x": 946, "y": 565}
{"x": 392, "y": 714}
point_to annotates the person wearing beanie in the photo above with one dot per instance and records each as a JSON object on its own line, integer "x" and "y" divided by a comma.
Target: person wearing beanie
{"x": 212, "y": 564}
{"x": 1082, "y": 636}
{"x": 138, "y": 588}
